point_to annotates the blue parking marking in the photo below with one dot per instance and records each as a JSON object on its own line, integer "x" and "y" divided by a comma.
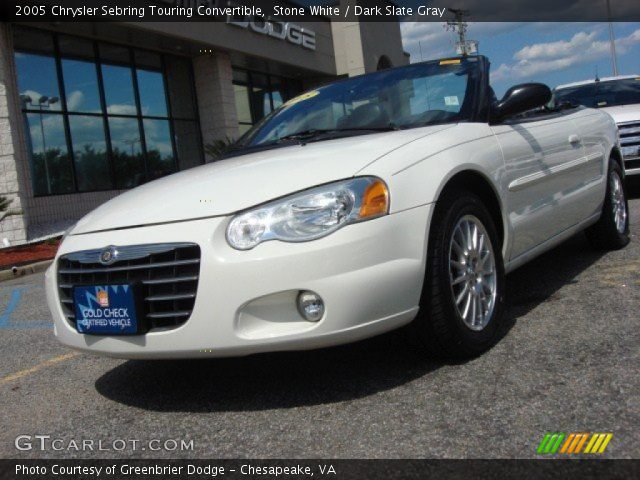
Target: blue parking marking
{"x": 6, "y": 321}
{"x": 16, "y": 294}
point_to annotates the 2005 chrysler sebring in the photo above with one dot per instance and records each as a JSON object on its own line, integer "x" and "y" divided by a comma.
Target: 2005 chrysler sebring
{"x": 394, "y": 197}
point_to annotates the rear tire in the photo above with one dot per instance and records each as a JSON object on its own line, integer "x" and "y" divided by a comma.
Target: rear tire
{"x": 462, "y": 301}
{"x": 612, "y": 230}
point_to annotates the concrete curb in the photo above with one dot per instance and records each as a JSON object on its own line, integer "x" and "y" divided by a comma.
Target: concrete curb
{"x": 24, "y": 270}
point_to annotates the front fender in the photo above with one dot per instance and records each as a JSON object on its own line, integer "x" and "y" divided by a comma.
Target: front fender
{"x": 416, "y": 179}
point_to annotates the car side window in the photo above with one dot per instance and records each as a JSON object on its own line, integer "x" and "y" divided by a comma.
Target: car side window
{"x": 438, "y": 92}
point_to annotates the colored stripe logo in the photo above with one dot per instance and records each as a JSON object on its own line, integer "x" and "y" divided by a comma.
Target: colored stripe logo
{"x": 572, "y": 443}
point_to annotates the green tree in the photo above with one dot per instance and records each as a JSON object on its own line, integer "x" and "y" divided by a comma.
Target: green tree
{"x": 60, "y": 175}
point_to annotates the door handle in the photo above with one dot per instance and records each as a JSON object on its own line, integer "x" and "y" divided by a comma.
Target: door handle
{"x": 574, "y": 139}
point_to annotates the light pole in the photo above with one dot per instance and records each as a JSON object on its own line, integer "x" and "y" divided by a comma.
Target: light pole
{"x": 131, "y": 143}
{"x": 612, "y": 40}
{"x": 464, "y": 47}
{"x": 44, "y": 103}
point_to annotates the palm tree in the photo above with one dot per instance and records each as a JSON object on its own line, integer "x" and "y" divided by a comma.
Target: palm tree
{"x": 4, "y": 203}
{"x": 4, "y": 208}
{"x": 219, "y": 147}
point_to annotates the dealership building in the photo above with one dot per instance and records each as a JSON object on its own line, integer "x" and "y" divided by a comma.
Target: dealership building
{"x": 89, "y": 110}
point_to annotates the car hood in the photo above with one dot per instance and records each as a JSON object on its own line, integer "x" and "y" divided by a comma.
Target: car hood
{"x": 624, "y": 113}
{"x": 227, "y": 186}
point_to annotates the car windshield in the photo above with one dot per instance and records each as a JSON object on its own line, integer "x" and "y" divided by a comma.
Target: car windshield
{"x": 602, "y": 94}
{"x": 405, "y": 97}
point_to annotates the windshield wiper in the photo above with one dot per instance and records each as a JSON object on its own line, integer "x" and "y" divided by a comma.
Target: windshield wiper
{"x": 303, "y": 134}
{"x": 385, "y": 128}
{"x": 313, "y": 133}
{"x": 303, "y": 137}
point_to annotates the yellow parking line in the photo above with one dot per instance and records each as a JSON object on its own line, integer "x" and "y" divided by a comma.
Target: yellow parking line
{"x": 39, "y": 366}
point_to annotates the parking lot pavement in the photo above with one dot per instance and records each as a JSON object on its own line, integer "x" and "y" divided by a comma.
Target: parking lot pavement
{"x": 568, "y": 362}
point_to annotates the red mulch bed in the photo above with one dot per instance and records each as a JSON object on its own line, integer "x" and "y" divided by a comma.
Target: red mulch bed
{"x": 24, "y": 254}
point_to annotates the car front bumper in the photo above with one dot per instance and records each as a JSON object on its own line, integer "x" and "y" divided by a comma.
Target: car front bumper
{"x": 369, "y": 275}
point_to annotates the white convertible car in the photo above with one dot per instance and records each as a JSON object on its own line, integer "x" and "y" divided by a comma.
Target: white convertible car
{"x": 394, "y": 197}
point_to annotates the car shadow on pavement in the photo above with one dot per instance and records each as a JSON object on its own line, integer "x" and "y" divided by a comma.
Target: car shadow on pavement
{"x": 268, "y": 381}
{"x": 540, "y": 280}
{"x": 293, "y": 379}
{"x": 633, "y": 186}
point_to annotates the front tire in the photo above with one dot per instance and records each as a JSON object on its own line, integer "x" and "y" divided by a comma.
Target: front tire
{"x": 462, "y": 301}
{"x": 612, "y": 230}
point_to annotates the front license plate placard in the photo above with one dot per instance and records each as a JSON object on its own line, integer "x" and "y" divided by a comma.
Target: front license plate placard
{"x": 105, "y": 309}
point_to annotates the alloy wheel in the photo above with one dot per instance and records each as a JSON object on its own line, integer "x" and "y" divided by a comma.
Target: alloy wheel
{"x": 618, "y": 203}
{"x": 472, "y": 272}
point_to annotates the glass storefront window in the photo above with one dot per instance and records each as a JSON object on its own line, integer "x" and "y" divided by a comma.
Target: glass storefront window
{"x": 243, "y": 107}
{"x": 89, "y": 153}
{"x": 113, "y": 127}
{"x": 118, "y": 90}
{"x": 126, "y": 150}
{"x": 159, "y": 150}
{"x": 50, "y": 162}
{"x": 38, "y": 82}
{"x": 277, "y": 91}
{"x": 240, "y": 76}
{"x": 243, "y": 128}
{"x": 151, "y": 84}
{"x": 153, "y": 101}
{"x": 81, "y": 86}
{"x": 258, "y": 94}
{"x": 260, "y": 97}
{"x": 277, "y": 99}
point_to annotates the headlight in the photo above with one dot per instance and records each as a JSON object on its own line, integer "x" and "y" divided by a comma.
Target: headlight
{"x": 310, "y": 214}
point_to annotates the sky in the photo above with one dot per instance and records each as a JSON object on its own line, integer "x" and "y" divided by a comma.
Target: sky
{"x": 551, "y": 53}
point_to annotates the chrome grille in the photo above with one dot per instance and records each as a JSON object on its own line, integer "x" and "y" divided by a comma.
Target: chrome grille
{"x": 630, "y": 143}
{"x": 166, "y": 273}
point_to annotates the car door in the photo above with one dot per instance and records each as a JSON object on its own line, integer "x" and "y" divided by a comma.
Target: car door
{"x": 543, "y": 155}
{"x": 592, "y": 127}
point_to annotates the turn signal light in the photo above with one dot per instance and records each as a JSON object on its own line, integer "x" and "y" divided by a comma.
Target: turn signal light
{"x": 375, "y": 200}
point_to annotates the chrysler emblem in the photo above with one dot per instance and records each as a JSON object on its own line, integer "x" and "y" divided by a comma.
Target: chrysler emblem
{"x": 109, "y": 255}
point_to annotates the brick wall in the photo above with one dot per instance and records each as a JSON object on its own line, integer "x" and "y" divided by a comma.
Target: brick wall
{"x": 13, "y": 227}
{"x": 216, "y": 101}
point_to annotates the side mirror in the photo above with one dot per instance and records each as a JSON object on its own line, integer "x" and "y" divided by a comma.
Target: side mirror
{"x": 519, "y": 99}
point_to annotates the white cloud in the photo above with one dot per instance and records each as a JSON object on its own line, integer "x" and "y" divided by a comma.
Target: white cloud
{"x": 427, "y": 38}
{"x": 121, "y": 109}
{"x": 436, "y": 42}
{"x": 540, "y": 58}
{"x": 75, "y": 100}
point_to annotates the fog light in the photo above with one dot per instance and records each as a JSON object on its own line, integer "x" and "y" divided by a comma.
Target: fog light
{"x": 310, "y": 306}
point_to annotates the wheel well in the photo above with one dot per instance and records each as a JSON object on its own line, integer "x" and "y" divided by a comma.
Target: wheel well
{"x": 477, "y": 184}
{"x": 617, "y": 156}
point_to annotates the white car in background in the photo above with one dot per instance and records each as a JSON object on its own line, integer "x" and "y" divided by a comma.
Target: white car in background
{"x": 396, "y": 197}
{"x": 618, "y": 96}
